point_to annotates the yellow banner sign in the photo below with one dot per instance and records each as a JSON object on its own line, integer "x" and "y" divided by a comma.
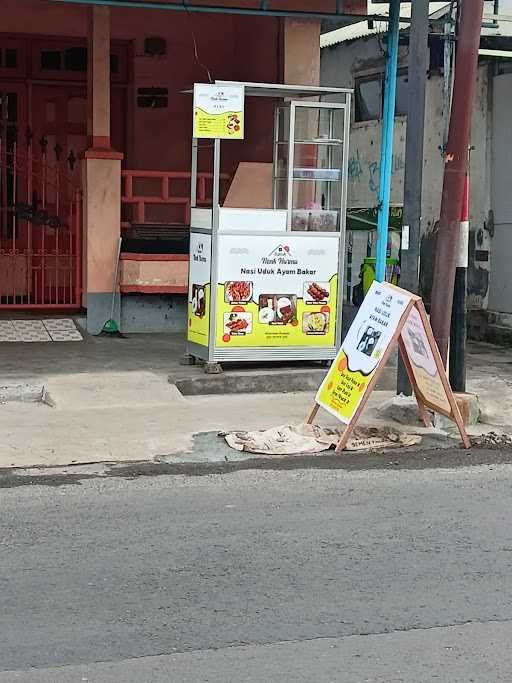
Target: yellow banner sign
{"x": 363, "y": 350}
{"x": 276, "y": 292}
{"x": 389, "y": 316}
{"x": 199, "y": 289}
{"x": 218, "y": 112}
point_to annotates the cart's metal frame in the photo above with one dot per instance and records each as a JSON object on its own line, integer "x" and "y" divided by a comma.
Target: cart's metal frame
{"x": 211, "y": 353}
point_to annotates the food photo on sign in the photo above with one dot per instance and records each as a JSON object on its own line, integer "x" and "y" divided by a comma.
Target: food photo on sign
{"x": 316, "y": 293}
{"x": 237, "y": 323}
{"x": 238, "y": 292}
{"x": 315, "y": 323}
{"x": 287, "y": 290}
{"x": 278, "y": 309}
{"x": 198, "y": 300}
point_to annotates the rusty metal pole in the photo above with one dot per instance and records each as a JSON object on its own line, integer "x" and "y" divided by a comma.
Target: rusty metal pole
{"x": 456, "y": 158}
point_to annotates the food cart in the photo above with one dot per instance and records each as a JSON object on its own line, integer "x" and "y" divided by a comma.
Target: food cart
{"x": 266, "y": 282}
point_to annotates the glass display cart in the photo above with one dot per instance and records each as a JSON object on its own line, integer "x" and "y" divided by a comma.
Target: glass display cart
{"x": 308, "y": 164}
{"x": 267, "y": 283}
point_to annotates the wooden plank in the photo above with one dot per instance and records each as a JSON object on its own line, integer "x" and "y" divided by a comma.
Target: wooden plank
{"x": 313, "y": 414}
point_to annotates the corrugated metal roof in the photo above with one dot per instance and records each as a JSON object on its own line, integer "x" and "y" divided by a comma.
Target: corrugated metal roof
{"x": 361, "y": 29}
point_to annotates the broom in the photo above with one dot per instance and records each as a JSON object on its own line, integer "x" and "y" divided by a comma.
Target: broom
{"x": 111, "y": 328}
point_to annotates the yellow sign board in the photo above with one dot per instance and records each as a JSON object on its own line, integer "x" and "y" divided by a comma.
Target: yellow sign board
{"x": 389, "y": 316}
{"x": 363, "y": 350}
{"x": 218, "y": 111}
{"x": 343, "y": 389}
{"x": 275, "y": 292}
{"x": 427, "y": 379}
{"x": 199, "y": 289}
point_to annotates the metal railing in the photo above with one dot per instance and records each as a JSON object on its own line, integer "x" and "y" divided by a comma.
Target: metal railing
{"x": 162, "y": 197}
{"x": 40, "y": 230}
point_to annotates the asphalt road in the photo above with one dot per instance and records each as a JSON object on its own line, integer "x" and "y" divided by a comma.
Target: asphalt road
{"x": 308, "y": 575}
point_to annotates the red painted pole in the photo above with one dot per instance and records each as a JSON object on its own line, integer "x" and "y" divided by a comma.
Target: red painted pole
{"x": 455, "y": 168}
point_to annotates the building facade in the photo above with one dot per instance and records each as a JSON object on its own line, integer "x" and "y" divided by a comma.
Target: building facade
{"x": 356, "y": 57}
{"x": 96, "y": 138}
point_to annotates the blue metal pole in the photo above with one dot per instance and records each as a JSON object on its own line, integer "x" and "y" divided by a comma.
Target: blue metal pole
{"x": 386, "y": 152}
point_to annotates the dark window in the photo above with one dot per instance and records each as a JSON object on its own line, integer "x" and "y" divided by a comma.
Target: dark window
{"x": 114, "y": 64}
{"x": 505, "y": 67}
{"x": 369, "y": 97}
{"x": 75, "y": 59}
{"x": 11, "y": 58}
{"x": 71, "y": 59}
{"x": 51, "y": 60}
{"x": 402, "y": 95}
{"x": 9, "y": 105}
{"x": 152, "y": 98}
{"x": 12, "y": 107}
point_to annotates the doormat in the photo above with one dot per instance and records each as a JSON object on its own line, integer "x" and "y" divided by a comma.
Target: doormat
{"x": 50, "y": 330}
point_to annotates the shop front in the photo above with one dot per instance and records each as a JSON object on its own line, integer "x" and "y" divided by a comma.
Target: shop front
{"x": 96, "y": 137}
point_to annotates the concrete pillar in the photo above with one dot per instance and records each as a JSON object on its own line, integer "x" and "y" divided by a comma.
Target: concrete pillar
{"x": 301, "y": 48}
{"x": 301, "y": 66}
{"x": 98, "y": 78}
{"x": 101, "y": 179}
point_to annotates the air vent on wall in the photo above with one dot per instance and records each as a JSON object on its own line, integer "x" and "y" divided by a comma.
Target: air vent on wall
{"x": 155, "y": 47}
{"x": 152, "y": 98}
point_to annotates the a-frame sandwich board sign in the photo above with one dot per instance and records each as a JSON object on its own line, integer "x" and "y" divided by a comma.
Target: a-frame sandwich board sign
{"x": 389, "y": 316}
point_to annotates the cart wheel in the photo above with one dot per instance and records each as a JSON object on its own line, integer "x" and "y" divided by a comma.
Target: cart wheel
{"x": 188, "y": 360}
{"x": 325, "y": 363}
{"x": 213, "y": 368}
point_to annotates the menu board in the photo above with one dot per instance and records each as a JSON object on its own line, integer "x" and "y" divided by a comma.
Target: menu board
{"x": 362, "y": 350}
{"x": 277, "y": 291}
{"x": 423, "y": 365}
{"x": 199, "y": 294}
{"x": 218, "y": 111}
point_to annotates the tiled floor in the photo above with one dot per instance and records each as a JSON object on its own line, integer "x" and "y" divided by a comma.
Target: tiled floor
{"x": 7, "y": 331}
{"x": 62, "y": 329}
{"x": 53, "y": 329}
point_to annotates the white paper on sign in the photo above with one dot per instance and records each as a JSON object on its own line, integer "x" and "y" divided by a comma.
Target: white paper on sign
{"x": 374, "y": 326}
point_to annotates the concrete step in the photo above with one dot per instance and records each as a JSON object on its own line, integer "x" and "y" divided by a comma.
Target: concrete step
{"x": 23, "y": 393}
{"x": 266, "y": 380}
{"x": 499, "y": 334}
